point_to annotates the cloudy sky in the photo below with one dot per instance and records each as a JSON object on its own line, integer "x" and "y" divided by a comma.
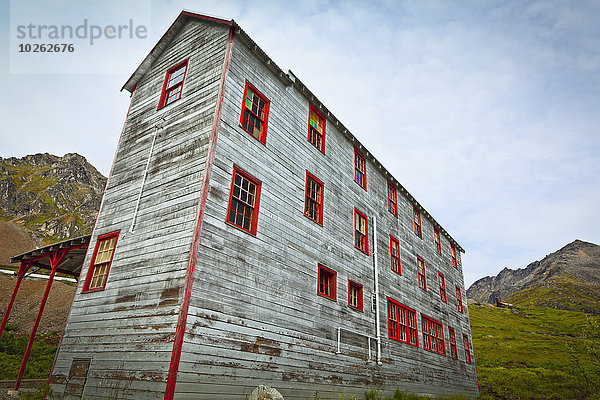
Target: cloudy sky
{"x": 488, "y": 112}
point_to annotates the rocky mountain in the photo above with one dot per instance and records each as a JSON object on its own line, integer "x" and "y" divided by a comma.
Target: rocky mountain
{"x": 52, "y": 198}
{"x": 567, "y": 279}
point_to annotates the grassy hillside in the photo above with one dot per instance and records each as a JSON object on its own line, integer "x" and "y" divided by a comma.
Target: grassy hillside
{"x": 536, "y": 353}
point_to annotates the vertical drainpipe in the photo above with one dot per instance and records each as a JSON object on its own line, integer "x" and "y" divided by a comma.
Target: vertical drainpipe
{"x": 376, "y": 272}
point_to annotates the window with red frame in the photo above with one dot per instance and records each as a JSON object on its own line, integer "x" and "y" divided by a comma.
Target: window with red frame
{"x": 392, "y": 199}
{"x": 452, "y": 338}
{"x": 421, "y": 273}
{"x": 453, "y": 253}
{"x": 402, "y": 323}
{"x": 355, "y": 295}
{"x": 326, "y": 282}
{"x": 395, "y": 254}
{"x": 243, "y": 201}
{"x": 442, "y": 283}
{"x": 173, "y": 85}
{"x": 316, "y": 129}
{"x": 459, "y": 302}
{"x": 467, "y": 346}
{"x": 255, "y": 113}
{"x": 361, "y": 232}
{"x": 417, "y": 222}
{"x": 101, "y": 261}
{"x": 313, "y": 198}
{"x": 360, "y": 169}
{"x": 438, "y": 242}
{"x": 433, "y": 335}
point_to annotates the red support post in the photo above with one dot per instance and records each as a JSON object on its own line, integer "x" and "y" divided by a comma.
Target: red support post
{"x": 22, "y": 270}
{"x": 55, "y": 260}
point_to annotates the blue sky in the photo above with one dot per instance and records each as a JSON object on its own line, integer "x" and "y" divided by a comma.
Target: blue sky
{"x": 488, "y": 112}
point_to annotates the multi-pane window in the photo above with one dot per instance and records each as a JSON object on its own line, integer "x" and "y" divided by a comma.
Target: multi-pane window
{"x": 360, "y": 169}
{"x": 442, "y": 283}
{"x": 255, "y": 113}
{"x": 438, "y": 242}
{"x": 417, "y": 222}
{"x": 313, "y": 199}
{"x": 421, "y": 273}
{"x": 453, "y": 253}
{"x": 173, "y": 85}
{"x": 316, "y": 129}
{"x": 467, "y": 346}
{"x": 326, "y": 282}
{"x": 355, "y": 295}
{"x": 361, "y": 232}
{"x": 452, "y": 338}
{"x": 433, "y": 335}
{"x": 101, "y": 260}
{"x": 459, "y": 302}
{"x": 402, "y": 323}
{"x": 243, "y": 201}
{"x": 395, "y": 254}
{"x": 392, "y": 199}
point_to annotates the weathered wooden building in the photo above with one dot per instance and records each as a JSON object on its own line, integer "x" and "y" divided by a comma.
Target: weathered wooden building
{"x": 247, "y": 237}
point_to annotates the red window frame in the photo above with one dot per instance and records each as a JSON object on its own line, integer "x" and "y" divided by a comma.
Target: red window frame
{"x": 326, "y": 282}
{"x": 417, "y": 222}
{"x": 242, "y": 204}
{"x": 313, "y": 129}
{"x": 467, "y": 346}
{"x": 452, "y": 340}
{"x": 459, "y": 302}
{"x": 402, "y": 323}
{"x": 173, "y": 86}
{"x": 98, "y": 271}
{"x": 395, "y": 258}
{"x": 255, "y": 115}
{"x": 392, "y": 199}
{"x": 355, "y": 295}
{"x": 421, "y": 273}
{"x": 361, "y": 239}
{"x": 360, "y": 169}
{"x": 453, "y": 254}
{"x": 442, "y": 284}
{"x": 437, "y": 240}
{"x": 433, "y": 335}
{"x": 313, "y": 198}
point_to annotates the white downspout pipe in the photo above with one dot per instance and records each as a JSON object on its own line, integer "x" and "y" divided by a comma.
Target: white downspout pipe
{"x": 376, "y": 289}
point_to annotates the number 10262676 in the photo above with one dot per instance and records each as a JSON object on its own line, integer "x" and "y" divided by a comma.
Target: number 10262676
{"x": 46, "y": 48}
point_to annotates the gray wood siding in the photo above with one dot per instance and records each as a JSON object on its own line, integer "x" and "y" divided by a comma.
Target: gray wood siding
{"x": 127, "y": 329}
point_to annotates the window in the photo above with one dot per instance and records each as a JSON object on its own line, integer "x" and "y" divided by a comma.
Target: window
{"x": 361, "y": 232}
{"x": 243, "y": 201}
{"x": 453, "y": 253}
{"x": 433, "y": 335}
{"x": 417, "y": 222}
{"x": 255, "y": 113}
{"x": 316, "y": 129}
{"x": 392, "y": 199}
{"x": 436, "y": 239}
{"x": 395, "y": 254}
{"x": 451, "y": 334}
{"x": 402, "y": 323}
{"x": 467, "y": 348}
{"x": 421, "y": 273}
{"x": 101, "y": 260}
{"x": 326, "y": 284}
{"x": 355, "y": 295}
{"x": 173, "y": 85}
{"x": 360, "y": 169}
{"x": 442, "y": 283}
{"x": 459, "y": 299}
{"x": 313, "y": 199}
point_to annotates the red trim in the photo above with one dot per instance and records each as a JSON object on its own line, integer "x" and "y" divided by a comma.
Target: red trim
{"x": 394, "y": 209}
{"x": 427, "y": 333}
{"x": 467, "y": 346}
{"x": 452, "y": 341}
{"x": 437, "y": 240}
{"x": 194, "y": 247}
{"x": 206, "y": 17}
{"x": 418, "y": 227}
{"x": 407, "y": 332}
{"x": 459, "y": 302}
{"x": 394, "y": 240}
{"x": 442, "y": 285}
{"x": 254, "y": 220}
{"x": 90, "y": 271}
{"x": 358, "y": 213}
{"x": 359, "y": 295}
{"x": 332, "y": 282}
{"x": 265, "y": 121}
{"x": 310, "y": 107}
{"x": 23, "y": 267}
{"x": 421, "y": 262}
{"x": 317, "y": 180}
{"x": 453, "y": 255}
{"x": 362, "y": 184}
{"x": 163, "y": 93}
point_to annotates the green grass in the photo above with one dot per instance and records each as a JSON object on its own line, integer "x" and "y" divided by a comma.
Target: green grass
{"x": 12, "y": 349}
